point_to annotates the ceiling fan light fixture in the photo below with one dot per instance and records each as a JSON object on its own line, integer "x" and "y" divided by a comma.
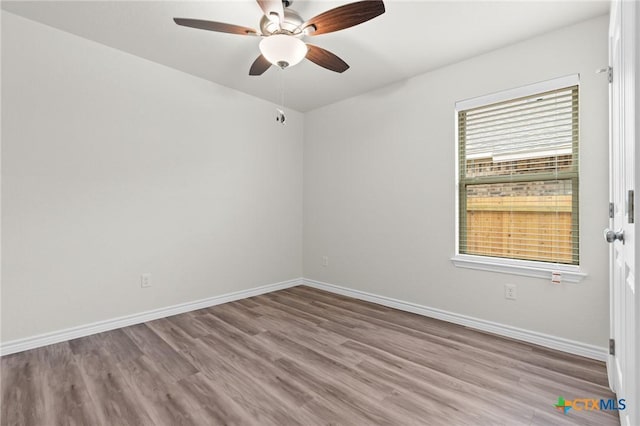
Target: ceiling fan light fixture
{"x": 283, "y": 50}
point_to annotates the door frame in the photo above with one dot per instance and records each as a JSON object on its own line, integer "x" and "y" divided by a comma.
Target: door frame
{"x": 631, "y": 32}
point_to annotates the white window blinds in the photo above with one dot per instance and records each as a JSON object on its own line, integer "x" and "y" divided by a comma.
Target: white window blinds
{"x": 518, "y": 178}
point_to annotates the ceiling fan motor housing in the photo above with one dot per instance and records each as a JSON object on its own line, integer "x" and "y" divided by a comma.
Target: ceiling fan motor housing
{"x": 291, "y": 22}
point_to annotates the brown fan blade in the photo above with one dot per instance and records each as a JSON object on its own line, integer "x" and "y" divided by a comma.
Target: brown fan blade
{"x": 326, "y": 59}
{"x": 220, "y": 27}
{"x": 259, "y": 66}
{"x": 345, "y": 16}
{"x": 272, "y": 6}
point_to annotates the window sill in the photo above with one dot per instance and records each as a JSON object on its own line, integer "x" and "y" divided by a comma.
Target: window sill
{"x": 570, "y": 274}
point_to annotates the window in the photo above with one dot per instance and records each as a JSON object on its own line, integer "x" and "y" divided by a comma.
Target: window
{"x": 518, "y": 175}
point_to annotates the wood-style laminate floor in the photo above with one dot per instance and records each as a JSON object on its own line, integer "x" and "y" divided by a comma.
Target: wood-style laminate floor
{"x": 298, "y": 356}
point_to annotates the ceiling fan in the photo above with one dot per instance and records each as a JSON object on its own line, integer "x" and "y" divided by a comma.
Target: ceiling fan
{"x": 283, "y": 30}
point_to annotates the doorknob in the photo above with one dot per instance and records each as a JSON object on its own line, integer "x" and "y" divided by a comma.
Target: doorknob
{"x": 611, "y": 236}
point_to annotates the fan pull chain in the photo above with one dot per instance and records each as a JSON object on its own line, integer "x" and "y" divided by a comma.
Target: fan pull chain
{"x": 280, "y": 117}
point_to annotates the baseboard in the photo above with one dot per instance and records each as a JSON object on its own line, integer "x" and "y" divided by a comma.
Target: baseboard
{"x": 546, "y": 340}
{"x": 33, "y": 342}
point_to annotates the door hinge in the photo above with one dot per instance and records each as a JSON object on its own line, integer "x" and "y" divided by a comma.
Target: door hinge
{"x": 609, "y": 72}
{"x": 631, "y": 207}
{"x": 612, "y": 347}
{"x": 611, "y": 210}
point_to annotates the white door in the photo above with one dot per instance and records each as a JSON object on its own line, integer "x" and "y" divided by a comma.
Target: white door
{"x": 621, "y": 234}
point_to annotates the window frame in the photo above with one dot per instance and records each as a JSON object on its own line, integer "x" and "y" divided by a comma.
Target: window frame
{"x": 531, "y": 268}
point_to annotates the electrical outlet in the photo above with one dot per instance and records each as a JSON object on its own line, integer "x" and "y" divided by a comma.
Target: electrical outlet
{"x": 510, "y": 291}
{"x": 145, "y": 280}
{"x": 325, "y": 260}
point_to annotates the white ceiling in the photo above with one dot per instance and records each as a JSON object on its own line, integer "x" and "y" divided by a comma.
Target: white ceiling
{"x": 412, "y": 37}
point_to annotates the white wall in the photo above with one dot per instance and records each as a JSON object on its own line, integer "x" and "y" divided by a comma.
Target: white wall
{"x": 379, "y": 189}
{"x": 113, "y": 166}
